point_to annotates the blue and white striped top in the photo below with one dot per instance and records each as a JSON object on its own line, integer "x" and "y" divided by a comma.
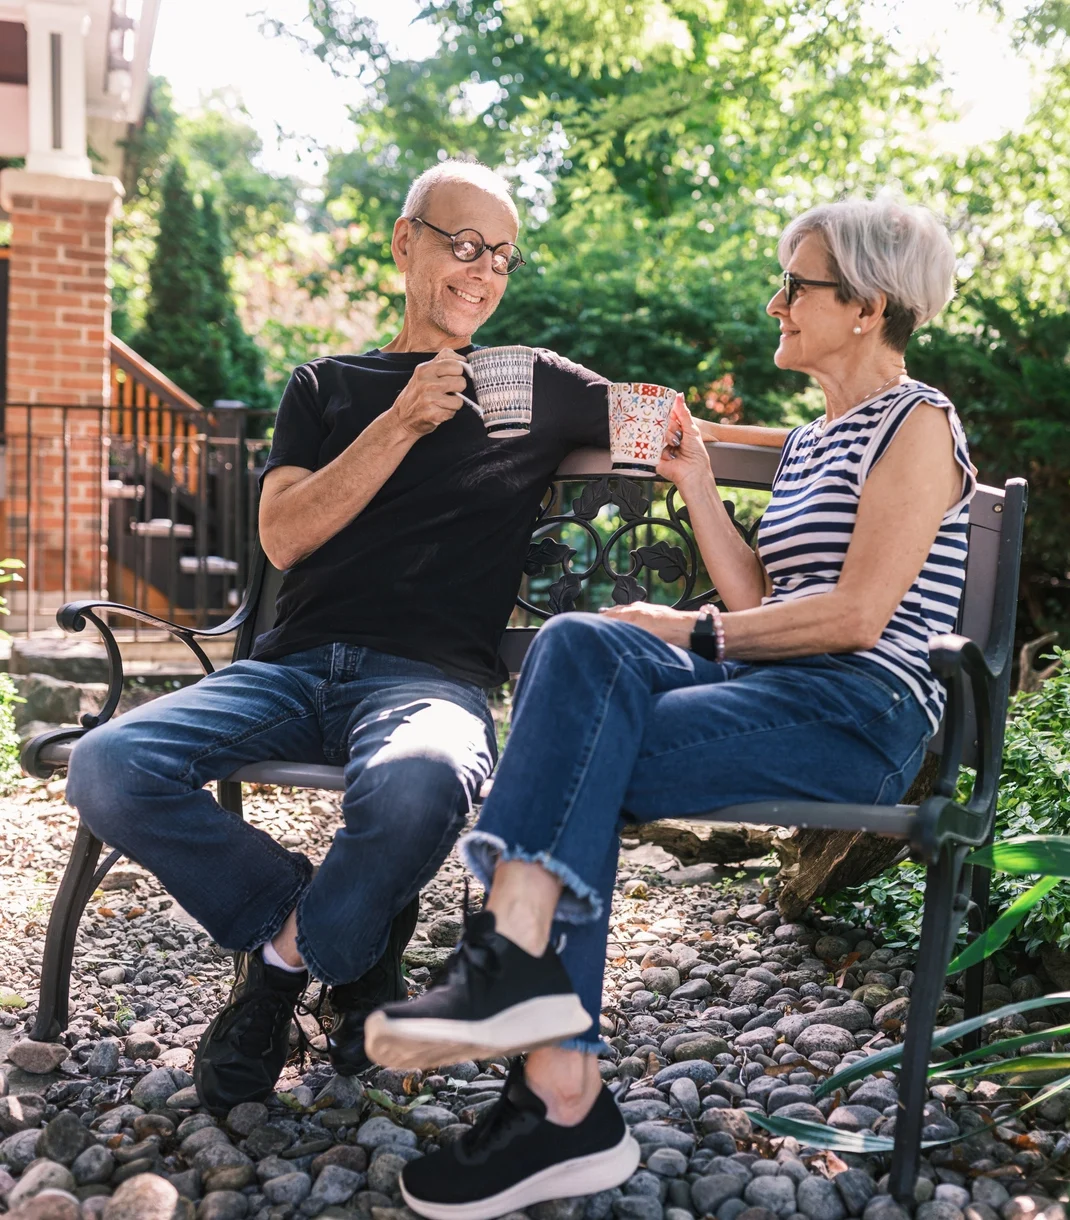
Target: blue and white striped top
{"x": 805, "y": 532}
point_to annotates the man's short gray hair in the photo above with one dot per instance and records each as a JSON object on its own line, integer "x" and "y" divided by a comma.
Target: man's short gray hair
{"x": 883, "y": 245}
{"x": 454, "y": 170}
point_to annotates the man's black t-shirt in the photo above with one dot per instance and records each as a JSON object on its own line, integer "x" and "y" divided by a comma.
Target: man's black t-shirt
{"x": 431, "y": 567}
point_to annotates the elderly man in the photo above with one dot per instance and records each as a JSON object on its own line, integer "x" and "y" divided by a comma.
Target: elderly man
{"x": 402, "y": 529}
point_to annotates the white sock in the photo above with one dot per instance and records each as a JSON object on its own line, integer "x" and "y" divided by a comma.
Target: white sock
{"x": 272, "y": 958}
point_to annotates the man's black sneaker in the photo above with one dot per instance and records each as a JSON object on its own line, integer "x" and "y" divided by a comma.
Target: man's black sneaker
{"x": 514, "y": 1156}
{"x": 351, "y": 1003}
{"x": 496, "y": 1000}
{"x": 242, "y": 1052}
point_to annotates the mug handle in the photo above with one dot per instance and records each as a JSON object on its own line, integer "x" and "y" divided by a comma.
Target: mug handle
{"x": 474, "y": 405}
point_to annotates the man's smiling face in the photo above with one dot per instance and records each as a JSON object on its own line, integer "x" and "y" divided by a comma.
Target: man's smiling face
{"x": 453, "y": 297}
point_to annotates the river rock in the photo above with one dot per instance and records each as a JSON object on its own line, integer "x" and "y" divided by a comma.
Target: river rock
{"x": 38, "y": 1058}
{"x": 825, "y": 1037}
{"x": 819, "y": 1199}
{"x": 154, "y": 1088}
{"x": 64, "y": 1138}
{"x": 43, "y": 1175}
{"x": 145, "y": 1197}
{"x": 21, "y": 1112}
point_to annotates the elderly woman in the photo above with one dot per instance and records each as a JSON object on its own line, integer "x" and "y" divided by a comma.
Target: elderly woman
{"x": 813, "y": 683}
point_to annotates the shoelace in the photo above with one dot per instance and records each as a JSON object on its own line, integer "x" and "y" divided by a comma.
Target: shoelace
{"x": 264, "y": 1011}
{"x": 499, "y": 1125}
{"x": 471, "y": 955}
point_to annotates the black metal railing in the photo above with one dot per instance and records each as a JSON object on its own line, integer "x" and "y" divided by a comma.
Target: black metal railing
{"x": 151, "y": 504}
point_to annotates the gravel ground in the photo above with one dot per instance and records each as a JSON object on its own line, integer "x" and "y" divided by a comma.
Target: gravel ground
{"x": 713, "y": 1009}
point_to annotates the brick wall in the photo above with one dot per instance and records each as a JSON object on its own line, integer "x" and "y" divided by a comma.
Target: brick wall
{"x": 58, "y": 337}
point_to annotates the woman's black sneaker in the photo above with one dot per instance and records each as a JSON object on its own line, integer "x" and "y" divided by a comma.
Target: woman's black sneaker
{"x": 514, "y": 1156}
{"x": 351, "y": 1003}
{"x": 496, "y": 1000}
{"x": 243, "y": 1051}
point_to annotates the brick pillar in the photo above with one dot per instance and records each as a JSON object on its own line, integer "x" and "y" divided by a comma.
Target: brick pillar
{"x": 59, "y": 323}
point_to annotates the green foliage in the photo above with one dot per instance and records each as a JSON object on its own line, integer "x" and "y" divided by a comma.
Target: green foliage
{"x": 9, "y": 738}
{"x": 1034, "y": 799}
{"x": 245, "y": 212}
{"x": 192, "y": 331}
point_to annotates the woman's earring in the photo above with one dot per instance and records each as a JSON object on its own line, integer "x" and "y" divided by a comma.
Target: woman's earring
{"x": 858, "y": 330}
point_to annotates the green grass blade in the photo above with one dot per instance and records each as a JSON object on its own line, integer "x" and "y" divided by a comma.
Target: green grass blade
{"x": 1001, "y": 1047}
{"x": 1000, "y": 932}
{"x": 1057, "y": 1087}
{"x": 817, "y": 1135}
{"x": 1049, "y": 854}
{"x": 889, "y": 1058}
{"x": 1027, "y": 1063}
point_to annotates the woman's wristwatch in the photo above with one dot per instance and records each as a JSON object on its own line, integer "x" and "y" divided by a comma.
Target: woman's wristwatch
{"x": 707, "y": 637}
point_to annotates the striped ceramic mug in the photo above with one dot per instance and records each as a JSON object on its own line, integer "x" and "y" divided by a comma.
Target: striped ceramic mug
{"x": 502, "y": 377}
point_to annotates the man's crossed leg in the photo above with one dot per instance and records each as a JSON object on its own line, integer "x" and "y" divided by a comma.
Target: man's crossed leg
{"x": 416, "y": 746}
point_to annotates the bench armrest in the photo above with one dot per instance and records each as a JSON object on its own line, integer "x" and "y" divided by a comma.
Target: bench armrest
{"x": 958, "y": 660}
{"x": 73, "y": 617}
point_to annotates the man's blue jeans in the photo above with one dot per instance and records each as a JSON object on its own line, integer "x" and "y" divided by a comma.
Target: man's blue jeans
{"x": 611, "y": 723}
{"x": 416, "y": 746}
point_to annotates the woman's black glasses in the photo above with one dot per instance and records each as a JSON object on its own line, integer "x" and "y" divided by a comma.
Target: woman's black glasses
{"x": 468, "y": 245}
{"x": 792, "y": 283}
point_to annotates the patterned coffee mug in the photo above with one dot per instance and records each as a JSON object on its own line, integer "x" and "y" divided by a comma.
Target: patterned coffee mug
{"x": 638, "y": 422}
{"x": 502, "y": 377}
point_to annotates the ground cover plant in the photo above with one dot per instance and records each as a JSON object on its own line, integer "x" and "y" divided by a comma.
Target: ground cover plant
{"x": 1034, "y": 799}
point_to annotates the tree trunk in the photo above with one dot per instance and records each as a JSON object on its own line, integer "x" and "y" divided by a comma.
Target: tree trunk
{"x": 814, "y": 863}
{"x": 706, "y": 842}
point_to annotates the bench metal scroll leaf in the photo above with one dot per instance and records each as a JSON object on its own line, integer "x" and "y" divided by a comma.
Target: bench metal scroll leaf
{"x": 545, "y": 554}
{"x": 627, "y": 589}
{"x": 669, "y": 562}
{"x": 594, "y": 496}
{"x": 563, "y": 593}
{"x": 631, "y": 502}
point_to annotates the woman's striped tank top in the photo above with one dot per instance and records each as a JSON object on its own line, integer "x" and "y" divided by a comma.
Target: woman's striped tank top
{"x": 805, "y": 532}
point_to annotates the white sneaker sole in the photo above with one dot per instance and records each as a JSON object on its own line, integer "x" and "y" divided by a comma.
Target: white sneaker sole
{"x": 418, "y": 1042}
{"x": 586, "y": 1175}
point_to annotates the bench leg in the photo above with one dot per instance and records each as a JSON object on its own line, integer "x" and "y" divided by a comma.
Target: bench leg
{"x": 980, "y": 889}
{"x": 945, "y": 905}
{"x": 228, "y": 794}
{"x": 73, "y": 893}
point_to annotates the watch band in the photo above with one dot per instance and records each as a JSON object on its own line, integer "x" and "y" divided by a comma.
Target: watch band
{"x": 707, "y": 636}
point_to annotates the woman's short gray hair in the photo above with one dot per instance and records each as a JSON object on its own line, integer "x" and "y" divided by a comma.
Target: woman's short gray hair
{"x": 455, "y": 170}
{"x": 883, "y": 245}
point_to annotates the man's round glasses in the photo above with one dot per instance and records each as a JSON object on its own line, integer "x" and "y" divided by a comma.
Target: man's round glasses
{"x": 468, "y": 245}
{"x": 792, "y": 283}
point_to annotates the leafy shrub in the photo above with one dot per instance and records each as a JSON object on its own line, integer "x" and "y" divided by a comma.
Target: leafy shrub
{"x": 9, "y": 740}
{"x": 1034, "y": 798}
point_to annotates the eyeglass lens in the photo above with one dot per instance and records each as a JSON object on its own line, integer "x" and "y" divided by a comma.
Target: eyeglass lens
{"x": 468, "y": 245}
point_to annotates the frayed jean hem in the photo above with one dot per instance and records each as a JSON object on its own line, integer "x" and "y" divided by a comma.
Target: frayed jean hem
{"x": 483, "y": 852}
{"x": 586, "y": 1045}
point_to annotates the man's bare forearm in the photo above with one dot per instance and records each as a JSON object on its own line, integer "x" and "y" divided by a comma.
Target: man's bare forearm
{"x": 299, "y": 516}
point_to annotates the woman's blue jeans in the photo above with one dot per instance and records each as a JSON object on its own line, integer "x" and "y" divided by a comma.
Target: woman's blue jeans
{"x": 611, "y": 724}
{"x": 416, "y": 747}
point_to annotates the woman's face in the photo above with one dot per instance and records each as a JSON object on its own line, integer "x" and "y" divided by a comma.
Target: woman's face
{"x": 817, "y": 329}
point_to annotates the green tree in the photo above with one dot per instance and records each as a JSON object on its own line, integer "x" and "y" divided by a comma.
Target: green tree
{"x": 244, "y": 360}
{"x": 178, "y": 335}
{"x": 192, "y": 331}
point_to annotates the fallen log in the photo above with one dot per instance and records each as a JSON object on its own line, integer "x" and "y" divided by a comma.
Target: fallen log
{"x": 706, "y": 842}
{"x": 814, "y": 863}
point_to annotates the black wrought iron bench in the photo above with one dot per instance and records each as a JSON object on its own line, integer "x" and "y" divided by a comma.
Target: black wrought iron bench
{"x": 975, "y": 665}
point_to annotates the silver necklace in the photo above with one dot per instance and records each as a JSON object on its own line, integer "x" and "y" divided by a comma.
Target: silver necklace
{"x": 866, "y": 397}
